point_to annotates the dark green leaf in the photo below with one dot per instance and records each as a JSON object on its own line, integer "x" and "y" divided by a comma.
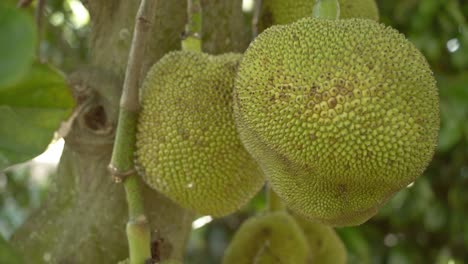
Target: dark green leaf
{"x": 30, "y": 112}
{"x": 17, "y": 43}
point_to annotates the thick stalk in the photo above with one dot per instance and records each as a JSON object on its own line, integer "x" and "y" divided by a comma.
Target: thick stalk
{"x": 122, "y": 167}
{"x": 327, "y": 9}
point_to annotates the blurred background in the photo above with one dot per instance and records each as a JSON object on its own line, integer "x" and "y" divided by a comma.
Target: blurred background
{"x": 425, "y": 223}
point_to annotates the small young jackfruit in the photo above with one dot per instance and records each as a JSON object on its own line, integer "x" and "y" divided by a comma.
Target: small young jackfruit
{"x": 267, "y": 239}
{"x": 340, "y": 114}
{"x": 187, "y": 144}
{"x": 280, "y": 12}
{"x": 325, "y": 246}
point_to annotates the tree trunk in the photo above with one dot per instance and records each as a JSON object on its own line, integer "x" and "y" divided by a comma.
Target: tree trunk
{"x": 224, "y": 27}
{"x": 84, "y": 217}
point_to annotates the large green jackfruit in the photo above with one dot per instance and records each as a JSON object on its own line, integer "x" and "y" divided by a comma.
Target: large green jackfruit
{"x": 273, "y": 238}
{"x": 187, "y": 144}
{"x": 280, "y": 12}
{"x": 340, "y": 114}
{"x": 325, "y": 246}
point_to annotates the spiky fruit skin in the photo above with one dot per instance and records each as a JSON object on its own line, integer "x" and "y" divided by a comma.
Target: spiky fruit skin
{"x": 267, "y": 239}
{"x": 340, "y": 114}
{"x": 280, "y": 12}
{"x": 325, "y": 246}
{"x": 187, "y": 144}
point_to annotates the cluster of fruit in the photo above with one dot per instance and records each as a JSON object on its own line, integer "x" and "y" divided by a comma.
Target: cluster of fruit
{"x": 336, "y": 114}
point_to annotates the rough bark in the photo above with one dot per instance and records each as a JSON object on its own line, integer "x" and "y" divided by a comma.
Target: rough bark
{"x": 83, "y": 219}
{"x": 224, "y": 27}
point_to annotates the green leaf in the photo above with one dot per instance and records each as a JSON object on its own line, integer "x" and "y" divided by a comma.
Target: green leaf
{"x": 17, "y": 44}
{"x": 30, "y": 112}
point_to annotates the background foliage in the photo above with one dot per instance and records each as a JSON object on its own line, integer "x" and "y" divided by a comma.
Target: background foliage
{"x": 424, "y": 223}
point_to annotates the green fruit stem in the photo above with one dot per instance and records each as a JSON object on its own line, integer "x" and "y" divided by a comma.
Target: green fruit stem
{"x": 274, "y": 202}
{"x": 138, "y": 237}
{"x": 327, "y": 9}
{"x": 192, "y": 40}
{"x": 122, "y": 162}
{"x": 122, "y": 166}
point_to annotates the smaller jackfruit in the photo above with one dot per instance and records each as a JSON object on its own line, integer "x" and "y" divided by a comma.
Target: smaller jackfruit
{"x": 267, "y": 239}
{"x": 280, "y": 12}
{"x": 187, "y": 144}
{"x": 325, "y": 246}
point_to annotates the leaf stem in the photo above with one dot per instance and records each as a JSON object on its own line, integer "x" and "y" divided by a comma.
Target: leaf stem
{"x": 326, "y": 9}
{"x": 122, "y": 165}
{"x": 192, "y": 39}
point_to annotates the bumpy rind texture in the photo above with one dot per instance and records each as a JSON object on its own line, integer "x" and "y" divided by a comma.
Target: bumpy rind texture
{"x": 267, "y": 239}
{"x": 340, "y": 114}
{"x": 325, "y": 246}
{"x": 187, "y": 144}
{"x": 280, "y": 12}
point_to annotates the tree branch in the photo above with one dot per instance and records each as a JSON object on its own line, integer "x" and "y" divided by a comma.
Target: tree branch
{"x": 138, "y": 232}
{"x": 129, "y": 100}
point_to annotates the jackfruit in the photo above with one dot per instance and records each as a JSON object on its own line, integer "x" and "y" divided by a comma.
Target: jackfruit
{"x": 340, "y": 114}
{"x": 271, "y": 238}
{"x": 187, "y": 144}
{"x": 280, "y": 12}
{"x": 325, "y": 246}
